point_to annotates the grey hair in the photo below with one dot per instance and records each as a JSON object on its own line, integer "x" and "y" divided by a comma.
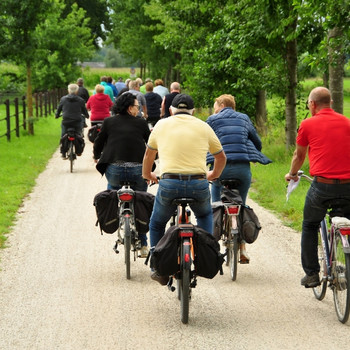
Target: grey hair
{"x": 181, "y": 110}
{"x": 73, "y": 88}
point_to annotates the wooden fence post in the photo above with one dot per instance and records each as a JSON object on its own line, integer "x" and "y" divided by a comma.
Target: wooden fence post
{"x": 16, "y": 116}
{"x": 24, "y": 106}
{"x": 8, "y": 124}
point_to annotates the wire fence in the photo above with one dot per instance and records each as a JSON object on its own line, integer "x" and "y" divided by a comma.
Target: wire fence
{"x": 16, "y": 111}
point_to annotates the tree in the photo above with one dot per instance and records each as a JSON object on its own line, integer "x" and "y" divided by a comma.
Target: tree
{"x": 20, "y": 19}
{"x": 99, "y": 18}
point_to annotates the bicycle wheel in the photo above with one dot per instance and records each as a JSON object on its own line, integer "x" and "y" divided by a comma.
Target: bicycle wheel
{"x": 71, "y": 155}
{"x": 320, "y": 291}
{"x": 341, "y": 283}
{"x": 127, "y": 245}
{"x": 234, "y": 257}
{"x": 185, "y": 284}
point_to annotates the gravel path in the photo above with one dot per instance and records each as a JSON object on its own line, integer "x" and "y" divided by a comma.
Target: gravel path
{"x": 63, "y": 287}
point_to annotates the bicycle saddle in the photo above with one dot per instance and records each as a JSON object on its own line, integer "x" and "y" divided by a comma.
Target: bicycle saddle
{"x": 231, "y": 183}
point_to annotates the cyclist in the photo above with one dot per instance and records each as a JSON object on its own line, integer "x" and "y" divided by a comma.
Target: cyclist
{"x": 241, "y": 144}
{"x": 182, "y": 142}
{"x": 119, "y": 148}
{"x": 326, "y": 138}
{"x": 99, "y": 105}
{"x": 73, "y": 108}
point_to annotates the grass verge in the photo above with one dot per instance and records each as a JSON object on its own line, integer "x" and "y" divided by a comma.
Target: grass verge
{"x": 22, "y": 160}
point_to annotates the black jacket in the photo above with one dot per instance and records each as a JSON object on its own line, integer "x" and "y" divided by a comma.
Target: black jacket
{"x": 72, "y": 108}
{"x": 122, "y": 138}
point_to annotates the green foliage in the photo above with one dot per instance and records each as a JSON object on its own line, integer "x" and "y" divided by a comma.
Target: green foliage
{"x": 32, "y": 153}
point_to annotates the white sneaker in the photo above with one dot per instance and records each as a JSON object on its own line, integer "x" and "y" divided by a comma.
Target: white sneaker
{"x": 144, "y": 251}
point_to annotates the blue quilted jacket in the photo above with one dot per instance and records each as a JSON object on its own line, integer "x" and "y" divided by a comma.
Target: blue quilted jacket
{"x": 238, "y": 137}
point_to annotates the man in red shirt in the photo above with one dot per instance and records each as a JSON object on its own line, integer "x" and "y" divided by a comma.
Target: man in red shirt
{"x": 326, "y": 138}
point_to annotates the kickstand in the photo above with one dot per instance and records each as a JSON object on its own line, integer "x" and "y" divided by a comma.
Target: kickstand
{"x": 170, "y": 284}
{"x": 115, "y": 248}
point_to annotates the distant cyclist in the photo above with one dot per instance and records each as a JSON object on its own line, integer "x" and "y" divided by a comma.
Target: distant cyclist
{"x": 72, "y": 108}
{"x": 241, "y": 144}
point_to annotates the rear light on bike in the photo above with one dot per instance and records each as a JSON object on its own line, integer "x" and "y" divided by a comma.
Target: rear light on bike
{"x": 233, "y": 210}
{"x": 126, "y": 197}
{"x": 71, "y": 138}
{"x": 187, "y": 258}
{"x": 345, "y": 231}
{"x": 186, "y": 233}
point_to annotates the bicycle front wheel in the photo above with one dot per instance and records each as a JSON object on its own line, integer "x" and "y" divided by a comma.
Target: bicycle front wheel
{"x": 320, "y": 291}
{"x": 127, "y": 245}
{"x": 341, "y": 284}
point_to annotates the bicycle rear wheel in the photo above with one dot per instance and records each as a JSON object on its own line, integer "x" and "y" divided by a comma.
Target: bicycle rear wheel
{"x": 341, "y": 284}
{"x": 127, "y": 245}
{"x": 185, "y": 282}
{"x": 232, "y": 255}
{"x": 71, "y": 155}
{"x": 320, "y": 291}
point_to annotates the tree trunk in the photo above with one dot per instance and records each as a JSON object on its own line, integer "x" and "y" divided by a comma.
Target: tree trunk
{"x": 261, "y": 115}
{"x": 30, "y": 100}
{"x": 336, "y": 68}
{"x": 291, "y": 98}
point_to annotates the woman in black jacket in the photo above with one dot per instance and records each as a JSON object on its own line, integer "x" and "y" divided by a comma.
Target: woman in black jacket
{"x": 121, "y": 144}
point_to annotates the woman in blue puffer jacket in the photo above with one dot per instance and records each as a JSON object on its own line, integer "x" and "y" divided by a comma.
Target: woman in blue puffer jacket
{"x": 241, "y": 144}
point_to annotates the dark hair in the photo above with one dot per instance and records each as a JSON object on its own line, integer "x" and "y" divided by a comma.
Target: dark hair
{"x": 123, "y": 102}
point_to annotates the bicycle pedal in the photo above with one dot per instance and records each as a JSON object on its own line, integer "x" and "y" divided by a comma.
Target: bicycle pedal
{"x": 244, "y": 262}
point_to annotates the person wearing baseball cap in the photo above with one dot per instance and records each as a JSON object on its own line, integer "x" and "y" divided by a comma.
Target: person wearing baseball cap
{"x": 182, "y": 142}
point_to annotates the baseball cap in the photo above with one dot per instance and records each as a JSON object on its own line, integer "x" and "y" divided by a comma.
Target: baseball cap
{"x": 183, "y": 101}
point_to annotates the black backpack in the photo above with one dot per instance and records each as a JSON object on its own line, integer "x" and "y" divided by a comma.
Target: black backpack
{"x": 208, "y": 259}
{"x": 107, "y": 210}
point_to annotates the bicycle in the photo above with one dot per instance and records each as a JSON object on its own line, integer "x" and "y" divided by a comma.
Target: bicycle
{"x": 127, "y": 233}
{"x": 231, "y": 236}
{"x": 334, "y": 255}
{"x": 186, "y": 279}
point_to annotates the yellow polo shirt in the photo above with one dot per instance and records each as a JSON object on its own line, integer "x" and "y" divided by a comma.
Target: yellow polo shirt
{"x": 182, "y": 142}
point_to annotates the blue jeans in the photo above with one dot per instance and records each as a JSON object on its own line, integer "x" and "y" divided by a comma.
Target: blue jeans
{"x": 117, "y": 173}
{"x": 240, "y": 171}
{"x": 163, "y": 208}
{"x": 314, "y": 212}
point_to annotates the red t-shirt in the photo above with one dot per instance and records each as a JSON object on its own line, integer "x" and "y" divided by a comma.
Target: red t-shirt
{"x": 327, "y": 134}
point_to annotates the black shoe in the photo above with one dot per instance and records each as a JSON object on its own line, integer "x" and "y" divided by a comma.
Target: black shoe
{"x": 311, "y": 281}
{"x": 163, "y": 280}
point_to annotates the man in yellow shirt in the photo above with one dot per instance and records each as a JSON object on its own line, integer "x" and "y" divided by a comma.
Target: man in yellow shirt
{"x": 182, "y": 142}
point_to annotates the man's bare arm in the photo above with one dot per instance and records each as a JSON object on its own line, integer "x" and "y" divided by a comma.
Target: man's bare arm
{"x": 219, "y": 165}
{"x": 147, "y": 164}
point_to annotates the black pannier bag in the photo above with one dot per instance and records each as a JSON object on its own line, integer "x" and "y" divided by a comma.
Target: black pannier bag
{"x": 143, "y": 206}
{"x": 164, "y": 258}
{"x": 218, "y": 215}
{"x": 107, "y": 210}
{"x": 93, "y": 132}
{"x": 249, "y": 224}
{"x": 79, "y": 144}
{"x": 64, "y": 144}
{"x": 208, "y": 259}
